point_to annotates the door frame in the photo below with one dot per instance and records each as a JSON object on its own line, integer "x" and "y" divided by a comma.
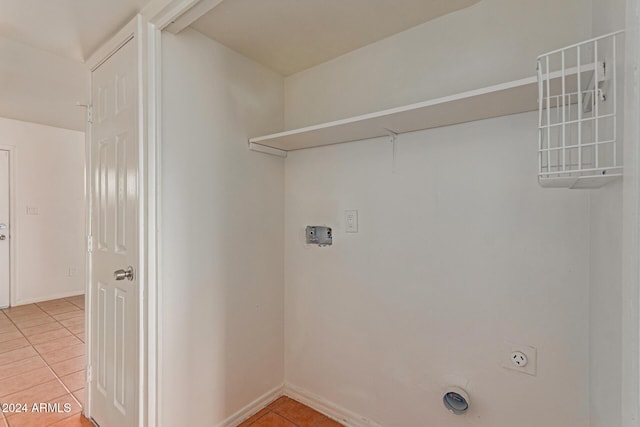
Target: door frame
{"x": 137, "y": 31}
{"x": 13, "y": 228}
{"x": 158, "y": 15}
{"x": 147, "y": 27}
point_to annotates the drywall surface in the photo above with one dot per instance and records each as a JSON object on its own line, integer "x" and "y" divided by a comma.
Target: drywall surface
{"x": 49, "y": 177}
{"x": 605, "y": 297}
{"x": 630, "y": 398}
{"x": 222, "y": 233}
{"x": 489, "y": 43}
{"x": 608, "y": 16}
{"x": 457, "y": 251}
{"x": 605, "y": 281}
{"x": 40, "y": 87}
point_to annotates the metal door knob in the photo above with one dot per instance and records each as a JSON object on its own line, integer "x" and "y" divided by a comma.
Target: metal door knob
{"x": 124, "y": 274}
{"x": 3, "y": 237}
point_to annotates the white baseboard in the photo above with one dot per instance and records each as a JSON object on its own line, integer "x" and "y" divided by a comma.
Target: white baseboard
{"x": 320, "y": 404}
{"x": 253, "y": 407}
{"x": 330, "y": 409}
{"x": 48, "y": 297}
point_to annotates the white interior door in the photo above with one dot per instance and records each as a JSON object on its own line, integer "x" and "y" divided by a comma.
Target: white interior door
{"x": 114, "y": 231}
{"x": 4, "y": 229}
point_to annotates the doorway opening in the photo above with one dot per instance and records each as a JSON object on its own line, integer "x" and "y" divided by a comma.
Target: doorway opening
{"x": 42, "y": 252}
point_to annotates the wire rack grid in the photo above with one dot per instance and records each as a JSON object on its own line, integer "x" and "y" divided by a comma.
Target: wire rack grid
{"x": 578, "y": 143}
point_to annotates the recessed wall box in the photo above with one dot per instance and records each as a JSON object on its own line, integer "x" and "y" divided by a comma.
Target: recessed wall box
{"x": 319, "y": 235}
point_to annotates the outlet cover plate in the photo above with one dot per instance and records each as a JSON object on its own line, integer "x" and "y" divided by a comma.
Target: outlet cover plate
{"x": 508, "y": 347}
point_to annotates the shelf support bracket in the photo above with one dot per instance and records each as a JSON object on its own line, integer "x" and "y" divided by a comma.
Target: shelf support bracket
{"x": 393, "y": 138}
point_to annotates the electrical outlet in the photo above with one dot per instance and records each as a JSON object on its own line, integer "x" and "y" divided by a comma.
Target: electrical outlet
{"x": 72, "y": 271}
{"x": 520, "y": 358}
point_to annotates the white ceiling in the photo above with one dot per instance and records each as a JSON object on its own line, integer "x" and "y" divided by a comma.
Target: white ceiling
{"x": 70, "y": 28}
{"x": 292, "y": 35}
{"x": 286, "y": 35}
{"x": 44, "y": 42}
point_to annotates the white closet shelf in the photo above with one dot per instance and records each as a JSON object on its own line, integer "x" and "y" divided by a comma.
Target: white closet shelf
{"x": 513, "y": 97}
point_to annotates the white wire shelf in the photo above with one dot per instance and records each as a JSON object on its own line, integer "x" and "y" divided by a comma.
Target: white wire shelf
{"x": 577, "y": 121}
{"x": 513, "y": 97}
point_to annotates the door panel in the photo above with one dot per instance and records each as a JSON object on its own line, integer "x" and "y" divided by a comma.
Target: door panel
{"x": 114, "y": 222}
{"x": 101, "y": 339}
{"x": 121, "y": 201}
{"x": 4, "y": 229}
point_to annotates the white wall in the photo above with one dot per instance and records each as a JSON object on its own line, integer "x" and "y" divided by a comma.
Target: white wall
{"x": 605, "y": 280}
{"x": 605, "y": 307}
{"x": 457, "y": 251}
{"x": 49, "y": 176}
{"x": 40, "y": 87}
{"x": 491, "y": 42}
{"x": 631, "y": 225}
{"x": 222, "y": 236}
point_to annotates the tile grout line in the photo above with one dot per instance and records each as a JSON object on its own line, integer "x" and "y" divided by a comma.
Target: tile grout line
{"x": 43, "y": 359}
{"x": 69, "y": 330}
{"x": 294, "y": 423}
{"x": 54, "y": 373}
{"x": 40, "y": 354}
{"x": 73, "y": 396}
{"x": 261, "y": 417}
{"x": 271, "y": 410}
{"x": 4, "y": 417}
{"x": 282, "y": 416}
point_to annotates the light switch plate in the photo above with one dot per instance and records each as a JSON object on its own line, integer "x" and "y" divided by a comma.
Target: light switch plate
{"x": 351, "y": 221}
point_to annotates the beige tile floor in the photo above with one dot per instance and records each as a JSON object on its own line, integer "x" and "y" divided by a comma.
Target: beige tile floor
{"x": 286, "y": 412}
{"x": 42, "y": 361}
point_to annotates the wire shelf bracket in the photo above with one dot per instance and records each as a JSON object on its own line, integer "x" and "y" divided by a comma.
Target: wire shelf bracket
{"x": 578, "y": 127}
